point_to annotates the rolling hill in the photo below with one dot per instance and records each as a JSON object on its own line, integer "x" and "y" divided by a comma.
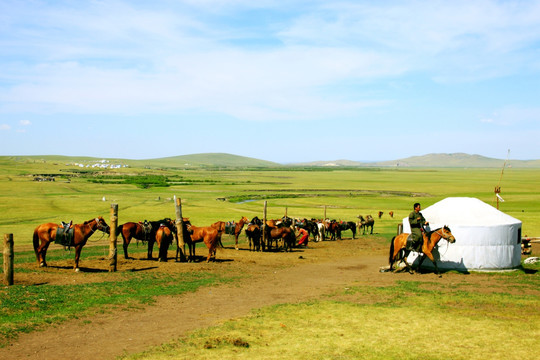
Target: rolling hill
{"x": 224, "y": 160}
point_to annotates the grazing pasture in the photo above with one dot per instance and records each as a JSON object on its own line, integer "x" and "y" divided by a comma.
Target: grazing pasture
{"x": 356, "y": 310}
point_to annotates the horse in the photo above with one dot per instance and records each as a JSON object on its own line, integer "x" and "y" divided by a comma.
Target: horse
{"x": 220, "y": 226}
{"x": 310, "y": 226}
{"x": 130, "y": 230}
{"x": 206, "y": 234}
{"x": 254, "y": 234}
{"x": 348, "y": 225}
{"x": 46, "y": 233}
{"x": 169, "y": 223}
{"x": 391, "y": 213}
{"x": 164, "y": 238}
{"x": 380, "y": 214}
{"x": 321, "y": 230}
{"x": 399, "y": 251}
{"x": 365, "y": 223}
{"x": 238, "y": 229}
{"x": 284, "y": 233}
{"x": 334, "y": 229}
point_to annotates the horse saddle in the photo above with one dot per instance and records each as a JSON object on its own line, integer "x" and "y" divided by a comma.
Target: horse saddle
{"x": 64, "y": 234}
{"x": 413, "y": 245}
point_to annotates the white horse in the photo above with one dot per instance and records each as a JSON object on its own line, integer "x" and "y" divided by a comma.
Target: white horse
{"x": 319, "y": 236}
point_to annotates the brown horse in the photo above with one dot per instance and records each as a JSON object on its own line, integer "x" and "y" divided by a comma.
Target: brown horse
{"x": 238, "y": 229}
{"x": 44, "y": 234}
{"x": 220, "y": 227}
{"x": 399, "y": 251}
{"x": 164, "y": 238}
{"x": 206, "y": 234}
{"x": 145, "y": 232}
{"x": 140, "y": 231}
{"x": 285, "y": 234}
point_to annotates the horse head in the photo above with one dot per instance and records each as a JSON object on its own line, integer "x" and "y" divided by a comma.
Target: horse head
{"x": 102, "y": 225}
{"x": 447, "y": 234}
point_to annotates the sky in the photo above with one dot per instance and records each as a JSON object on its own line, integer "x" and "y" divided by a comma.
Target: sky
{"x": 283, "y": 81}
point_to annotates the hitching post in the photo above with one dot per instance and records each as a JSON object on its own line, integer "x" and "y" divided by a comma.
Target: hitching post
{"x": 113, "y": 255}
{"x": 264, "y": 224}
{"x": 8, "y": 259}
{"x": 180, "y": 245}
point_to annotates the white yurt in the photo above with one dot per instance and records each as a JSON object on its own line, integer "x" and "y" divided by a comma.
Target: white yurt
{"x": 486, "y": 238}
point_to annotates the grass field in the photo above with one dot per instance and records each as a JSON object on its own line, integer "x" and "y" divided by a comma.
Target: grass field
{"x": 80, "y": 195}
{"x": 209, "y": 195}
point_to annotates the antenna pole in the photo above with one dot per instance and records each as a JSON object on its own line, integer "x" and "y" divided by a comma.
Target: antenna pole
{"x": 498, "y": 187}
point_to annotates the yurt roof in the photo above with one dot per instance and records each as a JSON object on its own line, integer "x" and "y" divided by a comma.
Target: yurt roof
{"x": 466, "y": 211}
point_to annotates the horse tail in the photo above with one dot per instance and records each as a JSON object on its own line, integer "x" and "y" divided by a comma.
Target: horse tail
{"x": 391, "y": 255}
{"x": 35, "y": 241}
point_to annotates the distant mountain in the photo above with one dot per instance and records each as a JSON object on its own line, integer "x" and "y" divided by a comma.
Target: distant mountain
{"x": 210, "y": 159}
{"x": 433, "y": 160}
{"x": 456, "y": 160}
{"x": 182, "y": 161}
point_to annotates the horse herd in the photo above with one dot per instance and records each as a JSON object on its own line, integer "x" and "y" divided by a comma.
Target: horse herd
{"x": 278, "y": 234}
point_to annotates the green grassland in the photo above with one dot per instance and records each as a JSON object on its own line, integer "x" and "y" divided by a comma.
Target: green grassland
{"x": 147, "y": 192}
{"x": 332, "y": 328}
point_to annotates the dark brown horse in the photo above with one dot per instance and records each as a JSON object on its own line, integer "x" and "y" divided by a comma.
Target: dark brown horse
{"x": 164, "y": 238}
{"x": 238, "y": 229}
{"x": 348, "y": 225}
{"x": 254, "y": 234}
{"x": 44, "y": 234}
{"x": 399, "y": 250}
{"x": 206, "y": 234}
{"x": 285, "y": 234}
{"x": 334, "y": 229}
{"x": 145, "y": 231}
{"x": 140, "y": 231}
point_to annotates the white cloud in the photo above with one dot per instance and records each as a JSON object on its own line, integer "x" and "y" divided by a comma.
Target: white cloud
{"x": 5, "y": 127}
{"x": 25, "y": 122}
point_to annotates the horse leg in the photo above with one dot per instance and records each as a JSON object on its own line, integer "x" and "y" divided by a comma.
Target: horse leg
{"x": 78, "y": 249}
{"x": 42, "y": 251}
{"x": 430, "y": 256}
{"x": 150, "y": 249}
{"x": 125, "y": 245}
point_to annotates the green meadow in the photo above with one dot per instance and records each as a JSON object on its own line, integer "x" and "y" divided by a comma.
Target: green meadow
{"x": 212, "y": 194}
{"x": 345, "y": 325}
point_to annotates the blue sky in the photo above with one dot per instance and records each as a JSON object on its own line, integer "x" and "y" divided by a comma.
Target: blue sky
{"x": 284, "y": 81}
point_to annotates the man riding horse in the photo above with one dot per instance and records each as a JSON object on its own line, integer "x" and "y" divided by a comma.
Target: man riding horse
{"x": 417, "y": 223}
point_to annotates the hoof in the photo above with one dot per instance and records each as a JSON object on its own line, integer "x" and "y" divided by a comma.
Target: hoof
{"x": 42, "y": 264}
{"x": 77, "y": 270}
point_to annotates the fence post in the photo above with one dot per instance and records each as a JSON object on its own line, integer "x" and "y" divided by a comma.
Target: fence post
{"x": 324, "y": 218}
{"x": 264, "y": 225}
{"x": 400, "y": 228}
{"x": 113, "y": 254}
{"x": 180, "y": 245}
{"x": 8, "y": 259}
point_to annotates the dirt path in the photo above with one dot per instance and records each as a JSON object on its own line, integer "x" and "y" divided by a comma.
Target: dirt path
{"x": 274, "y": 278}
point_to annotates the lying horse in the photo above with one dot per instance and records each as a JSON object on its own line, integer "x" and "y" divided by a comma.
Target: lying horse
{"x": 44, "y": 234}
{"x": 164, "y": 238}
{"x": 206, "y": 234}
{"x": 399, "y": 250}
